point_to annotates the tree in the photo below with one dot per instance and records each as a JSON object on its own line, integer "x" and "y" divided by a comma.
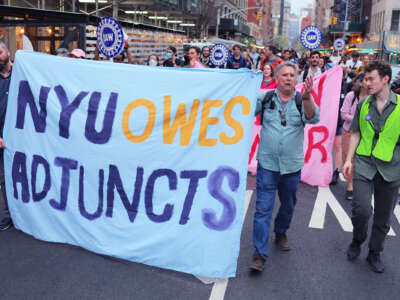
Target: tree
{"x": 281, "y": 42}
{"x": 300, "y": 48}
{"x": 206, "y": 11}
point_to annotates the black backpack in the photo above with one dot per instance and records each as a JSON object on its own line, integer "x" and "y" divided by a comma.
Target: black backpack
{"x": 268, "y": 99}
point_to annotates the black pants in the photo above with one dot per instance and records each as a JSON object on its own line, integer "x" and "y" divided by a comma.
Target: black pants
{"x": 385, "y": 194}
{"x": 3, "y": 196}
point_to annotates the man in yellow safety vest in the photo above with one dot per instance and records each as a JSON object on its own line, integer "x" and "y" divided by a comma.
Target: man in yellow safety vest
{"x": 375, "y": 146}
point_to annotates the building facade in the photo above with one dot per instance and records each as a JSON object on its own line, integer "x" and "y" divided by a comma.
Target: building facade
{"x": 385, "y": 16}
{"x": 259, "y": 20}
{"x": 294, "y": 30}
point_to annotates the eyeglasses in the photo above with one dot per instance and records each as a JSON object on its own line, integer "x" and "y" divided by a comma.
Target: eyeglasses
{"x": 283, "y": 118}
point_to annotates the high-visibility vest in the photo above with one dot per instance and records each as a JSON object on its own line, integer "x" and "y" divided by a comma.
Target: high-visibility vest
{"x": 388, "y": 137}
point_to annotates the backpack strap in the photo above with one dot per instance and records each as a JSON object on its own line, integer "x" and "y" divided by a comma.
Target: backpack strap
{"x": 299, "y": 100}
{"x": 299, "y": 104}
{"x": 267, "y": 98}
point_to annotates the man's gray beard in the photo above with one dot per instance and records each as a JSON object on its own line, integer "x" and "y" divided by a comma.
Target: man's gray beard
{"x": 4, "y": 64}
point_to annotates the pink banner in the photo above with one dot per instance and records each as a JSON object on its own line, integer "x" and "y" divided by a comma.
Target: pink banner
{"x": 318, "y": 138}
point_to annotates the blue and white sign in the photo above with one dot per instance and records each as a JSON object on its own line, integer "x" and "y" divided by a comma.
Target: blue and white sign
{"x": 339, "y": 44}
{"x": 110, "y": 37}
{"x": 311, "y": 37}
{"x": 100, "y": 157}
{"x": 219, "y": 54}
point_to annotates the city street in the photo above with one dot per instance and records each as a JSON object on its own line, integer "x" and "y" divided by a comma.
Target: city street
{"x": 316, "y": 268}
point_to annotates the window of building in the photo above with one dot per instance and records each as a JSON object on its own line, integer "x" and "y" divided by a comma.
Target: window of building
{"x": 394, "y": 26}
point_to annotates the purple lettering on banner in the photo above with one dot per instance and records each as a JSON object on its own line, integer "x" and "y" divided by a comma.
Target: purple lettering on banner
{"x": 39, "y": 160}
{"x": 82, "y": 208}
{"x": 19, "y": 175}
{"x": 215, "y": 189}
{"x": 67, "y": 164}
{"x": 148, "y": 197}
{"x": 26, "y": 97}
{"x": 104, "y": 135}
{"x": 114, "y": 181}
{"x": 194, "y": 177}
{"x": 67, "y": 109}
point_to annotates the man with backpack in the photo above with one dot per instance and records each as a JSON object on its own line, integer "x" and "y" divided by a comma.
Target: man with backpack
{"x": 280, "y": 157}
{"x": 313, "y": 69}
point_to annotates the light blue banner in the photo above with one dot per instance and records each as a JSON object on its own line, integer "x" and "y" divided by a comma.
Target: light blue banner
{"x": 142, "y": 163}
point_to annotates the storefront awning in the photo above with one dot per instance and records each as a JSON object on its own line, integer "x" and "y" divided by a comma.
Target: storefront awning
{"x": 20, "y": 16}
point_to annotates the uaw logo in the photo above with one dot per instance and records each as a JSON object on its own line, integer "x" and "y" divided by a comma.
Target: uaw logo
{"x": 219, "y": 54}
{"x": 311, "y": 37}
{"x": 110, "y": 37}
{"x": 339, "y": 44}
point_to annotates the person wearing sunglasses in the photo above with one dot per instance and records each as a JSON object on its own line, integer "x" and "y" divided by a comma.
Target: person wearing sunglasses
{"x": 284, "y": 112}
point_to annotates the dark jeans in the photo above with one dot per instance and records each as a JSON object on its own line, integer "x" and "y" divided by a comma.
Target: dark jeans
{"x": 268, "y": 182}
{"x": 385, "y": 194}
{"x": 3, "y": 196}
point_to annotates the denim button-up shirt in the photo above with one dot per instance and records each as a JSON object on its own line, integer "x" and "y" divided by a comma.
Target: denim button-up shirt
{"x": 281, "y": 147}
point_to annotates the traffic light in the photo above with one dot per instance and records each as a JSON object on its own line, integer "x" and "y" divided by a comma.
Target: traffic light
{"x": 259, "y": 15}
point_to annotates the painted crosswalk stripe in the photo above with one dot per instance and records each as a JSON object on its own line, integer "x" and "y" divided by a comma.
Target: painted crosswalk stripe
{"x": 221, "y": 284}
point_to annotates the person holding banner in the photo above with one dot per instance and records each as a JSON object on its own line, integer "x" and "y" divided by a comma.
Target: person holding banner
{"x": 280, "y": 157}
{"x": 375, "y": 146}
{"x": 5, "y": 78}
{"x": 194, "y": 58}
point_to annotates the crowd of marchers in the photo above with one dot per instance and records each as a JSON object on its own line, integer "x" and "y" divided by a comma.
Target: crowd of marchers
{"x": 366, "y": 147}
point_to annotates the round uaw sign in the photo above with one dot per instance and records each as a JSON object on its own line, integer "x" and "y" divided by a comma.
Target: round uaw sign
{"x": 219, "y": 54}
{"x": 339, "y": 44}
{"x": 311, "y": 37}
{"x": 110, "y": 37}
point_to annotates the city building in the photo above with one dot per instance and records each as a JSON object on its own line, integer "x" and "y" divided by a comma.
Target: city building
{"x": 306, "y": 11}
{"x": 305, "y": 21}
{"x": 322, "y": 13}
{"x": 276, "y": 17}
{"x": 384, "y": 27}
{"x": 294, "y": 30}
{"x": 347, "y": 20}
{"x": 233, "y": 16}
{"x": 259, "y": 20}
{"x": 286, "y": 19}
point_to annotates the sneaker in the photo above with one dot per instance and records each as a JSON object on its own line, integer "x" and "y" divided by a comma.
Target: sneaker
{"x": 258, "y": 263}
{"x": 353, "y": 251}
{"x": 5, "y": 223}
{"x": 335, "y": 177}
{"x": 374, "y": 262}
{"x": 282, "y": 241}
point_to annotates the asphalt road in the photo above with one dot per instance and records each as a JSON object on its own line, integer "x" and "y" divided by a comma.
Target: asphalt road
{"x": 316, "y": 268}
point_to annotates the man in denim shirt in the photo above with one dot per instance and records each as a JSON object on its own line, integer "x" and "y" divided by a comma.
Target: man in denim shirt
{"x": 280, "y": 158}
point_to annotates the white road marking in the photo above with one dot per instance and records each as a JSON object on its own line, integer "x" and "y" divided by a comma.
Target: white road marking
{"x": 219, "y": 289}
{"x": 391, "y": 231}
{"x": 325, "y": 198}
{"x": 221, "y": 284}
{"x": 397, "y": 212}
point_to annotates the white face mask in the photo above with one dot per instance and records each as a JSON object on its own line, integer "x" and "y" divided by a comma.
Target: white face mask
{"x": 152, "y": 62}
